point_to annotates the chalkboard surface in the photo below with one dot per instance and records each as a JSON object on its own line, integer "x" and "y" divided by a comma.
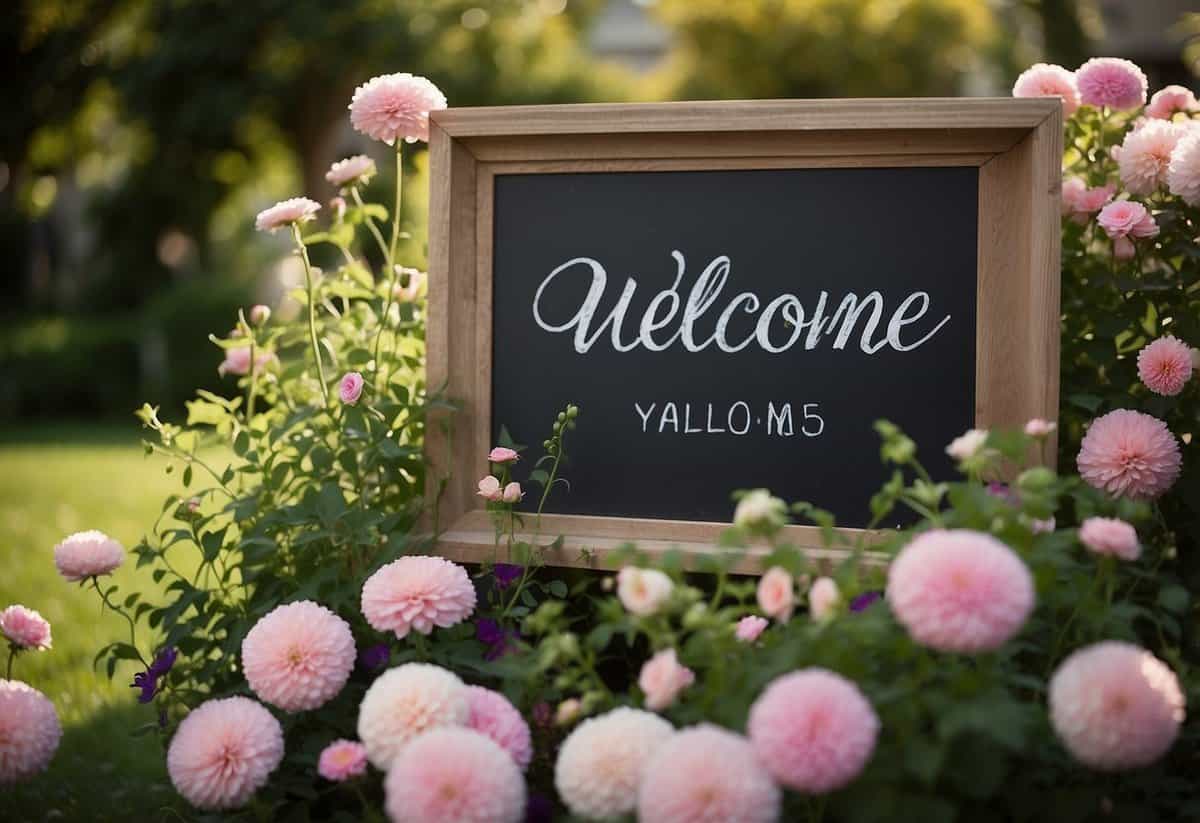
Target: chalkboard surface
{"x": 733, "y": 329}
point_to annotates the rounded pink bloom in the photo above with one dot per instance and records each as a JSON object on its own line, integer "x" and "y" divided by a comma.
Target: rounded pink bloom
{"x": 1183, "y": 172}
{"x": 493, "y": 715}
{"x": 662, "y": 678}
{"x": 405, "y": 702}
{"x": 1048, "y": 80}
{"x": 1165, "y": 365}
{"x": 455, "y": 775}
{"x": 392, "y": 107}
{"x": 298, "y": 656}
{"x": 356, "y": 169}
{"x": 1112, "y": 82}
{"x": 286, "y": 212}
{"x": 1115, "y": 706}
{"x": 643, "y": 591}
{"x": 1129, "y": 454}
{"x": 25, "y": 628}
{"x": 489, "y": 489}
{"x": 706, "y": 773}
{"x": 29, "y": 731}
{"x": 259, "y": 314}
{"x": 512, "y": 493}
{"x": 1170, "y": 99}
{"x": 87, "y": 554}
{"x": 1146, "y": 154}
{"x": 750, "y": 627}
{"x": 600, "y": 764}
{"x": 1079, "y": 202}
{"x": 223, "y": 752}
{"x": 416, "y": 593}
{"x": 350, "y": 388}
{"x": 960, "y": 591}
{"x": 823, "y": 598}
{"x": 813, "y": 730}
{"x": 1108, "y": 535}
{"x": 1125, "y": 218}
{"x": 408, "y": 284}
{"x": 500, "y": 454}
{"x": 342, "y": 760}
{"x": 237, "y": 361}
{"x": 1037, "y": 427}
{"x": 777, "y": 594}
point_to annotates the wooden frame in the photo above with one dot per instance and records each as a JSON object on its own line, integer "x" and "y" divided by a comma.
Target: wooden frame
{"x": 1015, "y": 144}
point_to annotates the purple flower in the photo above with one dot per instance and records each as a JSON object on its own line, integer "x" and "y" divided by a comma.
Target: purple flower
{"x": 163, "y": 662}
{"x": 1005, "y": 493}
{"x": 147, "y": 681}
{"x": 507, "y": 574}
{"x": 863, "y": 601}
{"x": 543, "y": 714}
{"x": 373, "y": 657}
{"x": 491, "y": 634}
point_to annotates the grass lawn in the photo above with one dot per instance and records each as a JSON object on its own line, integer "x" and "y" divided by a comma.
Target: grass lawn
{"x": 55, "y": 481}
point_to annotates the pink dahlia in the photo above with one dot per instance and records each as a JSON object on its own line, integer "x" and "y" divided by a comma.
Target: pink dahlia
{"x": 29, "y": 731}
{"x": 1048, "y": 80}
{"x": 960, "y": 591}
{"x": 455, "y": 775}
{"x": 298, "y": 656}
{"x": 352, "y": 170}
{"x": 706, "y": 773}
{"x": 1165, "y": 365}
{"x": 1115, "y": 706}
{"x": 1129, "y": 454}
{"x": 750, "y": 627}
{"x": 1108, "y": 535}
{"x": 662, "y": 678}
{"x": 1111, "y": 82}
{"x": 1146, "y": 154}
{"x": 1183, "y": 172}
{"x": 813, "y": 730}
{"x": 395, "y": 106}
{"x": 286, "y": 212}
{"x": 1125, "y": 218}
{"x": 87, "y": 554}
{"x": 407, "y": 701}
{"x": 600, "y": 764}
{"x": 25, "y": 628}
{"x": 1170, "y": 99}
{"x": 342, "y": 760}
{"x": 416, "y": 593}
{"x": 494, "y": 716}
{"x": 223, "y": 752}
{"x": 350, "y": 388}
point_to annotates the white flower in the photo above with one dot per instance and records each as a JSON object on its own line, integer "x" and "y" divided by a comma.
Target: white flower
{"x": 758, "y": 510}
{"x": 643, "y": 591}
{"x": 967, "y": 445}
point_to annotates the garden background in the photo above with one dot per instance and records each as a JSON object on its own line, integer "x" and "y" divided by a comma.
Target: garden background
{"x": 140, "y": 134}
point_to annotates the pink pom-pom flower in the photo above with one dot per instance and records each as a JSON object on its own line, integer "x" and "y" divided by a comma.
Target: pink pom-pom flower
{"x": 342, "y": 760}
{"x": 493, "y": 715}
{"x": 350, "y": 388}
{"x": 1048, "y": 80}
{"x": 223, "y": 752}
{"x": 960, "y": 591}
{"x": 1111, "y": 82}
{"x": 1115, "y": 706}
{"x": 1165, "y": 365}
{"x": 1108, "y": 535}
{"x": 298, "y": 656}
{"x": 1171, "y": 99}
{"x": 287, "y": 212}
{"x": 416, "y": 593}
{"x": 813, "y": 730}
{"x": 405, "y": 702}
{"x": 454, "y": 775}
{"x": 87, "y": 554}
{"x": 25, "y": 628}
{"x": 1146, "y": 154}
{"x": 1183, "y": 172}
{"x": 29, "y": 731}
{"x": 706, "y": 773}
{"x": 395, "y": 107}
{"x": 1129, "y": 454}
{"x": 353, "y": 170}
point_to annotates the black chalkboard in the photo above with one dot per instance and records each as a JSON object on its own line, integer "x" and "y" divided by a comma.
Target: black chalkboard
{"x": 884, "y": 235}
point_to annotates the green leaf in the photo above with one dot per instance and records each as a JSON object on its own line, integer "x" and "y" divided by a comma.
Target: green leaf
{"x": 1174, "y": 598}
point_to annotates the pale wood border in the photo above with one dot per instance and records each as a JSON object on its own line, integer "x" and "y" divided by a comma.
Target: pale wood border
{"x": 1016, "y": 144}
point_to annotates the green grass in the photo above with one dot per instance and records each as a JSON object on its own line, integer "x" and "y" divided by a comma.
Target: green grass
{"x": 55, "y": 481}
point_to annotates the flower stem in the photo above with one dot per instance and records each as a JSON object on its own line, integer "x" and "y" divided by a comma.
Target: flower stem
{"x": 393, "y": 277}
{"x": 132, "y": 626}
{"x": 251, "y": 390}
{"x": 12, "y": 655}
{"x": 312, "y": 312}
{"x": 370, "y": 221}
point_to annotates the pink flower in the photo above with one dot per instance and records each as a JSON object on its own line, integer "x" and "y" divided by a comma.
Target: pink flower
{"x": 338, "y": 206}
{"x": 342, "y": 760}
{"x": 1115, "y": 706}
{"x": 1170, "y": 99}
{"x": 29, "y": 732}
{"x": 1039, "y": 428}
{"x": 87, "y": 554}
{"x": 501, "y": 454}
{"x": 237, "y": 361}
{"x": 454, "y": 775}
{"x": 777, "y": 594}
{"x": 1123, "y": 248}
{"x": 350, "y": 388}
{"x": 223, "y": 752}
{"x": 750, "y": 627}
{"x": 960, "y": 591}
{"x": 405, "y": 702}
{"x": 1048, "y": 80}
{"x": 600, "y": 764}
{"x": 1146, "y": 154}
{"x": 285, "y": 213}
{"x": 416, "y": 593}
{"x": 1108, "y": 535}
{"x": 662, "y": 679}
{"x": 1129, "y": 454}
{"x": 1111, "y": 82}
{"x": 1079, "y": 202}
{"x": 968, "y": 444}
{"x": 1125, "y": 218}
{"x": 25, "y": 628}
{"x": 395, "y": 106}
{"x": 1165, "y": 365}
{"x": 823, "y": 598}
{"x": 408, "y": 284}
{"x": 494, "y": 716}
{"x": 706, "y": 773}
{"x": 298, "y": 656}
{"x": 643, "y": 591}
{"x": 568, "y": 711}
{"x": 489, "y": 489}
{"x": 512, "y": 493}
{"x": 355, "y": 170}
{"x": 813, "y": 730}
{"x": 260, "y": 314}
{"x": 1183, "y": 172}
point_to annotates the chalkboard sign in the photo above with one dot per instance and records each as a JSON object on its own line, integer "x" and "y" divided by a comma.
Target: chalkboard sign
{"x": 734, "y": 306}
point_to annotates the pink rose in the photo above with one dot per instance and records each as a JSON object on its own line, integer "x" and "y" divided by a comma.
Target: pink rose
{"x": 776, "y": 594}
{"x": 1123, "y": 248}
{"x": 350, "y": 389}
{"x": 823, "y": 598}
{"x": 643, "y": 591}
{"x": 500, "y": 454}
{"x": 750, "y": 627}
{"x": 237, "y": 361}
{"x": 512, "y": 493}
{"x": 1124, "y": 218}
{"x": 663, "y": 678}
{"x": 1037, "y": 427}
{"x": 489, "y": 489}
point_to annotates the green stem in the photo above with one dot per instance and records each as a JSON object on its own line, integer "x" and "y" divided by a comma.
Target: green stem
{"x": 252, "y": 389}
{"x": 390, "y": 262}
{"x": 370, "y": 221}
{"x": 312, "y": 311}
{"x": 12, "y": 655}
{"x": 550, "y": 480}
{"x": 132, "y": 626}
{"x": 391, "y": 257}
